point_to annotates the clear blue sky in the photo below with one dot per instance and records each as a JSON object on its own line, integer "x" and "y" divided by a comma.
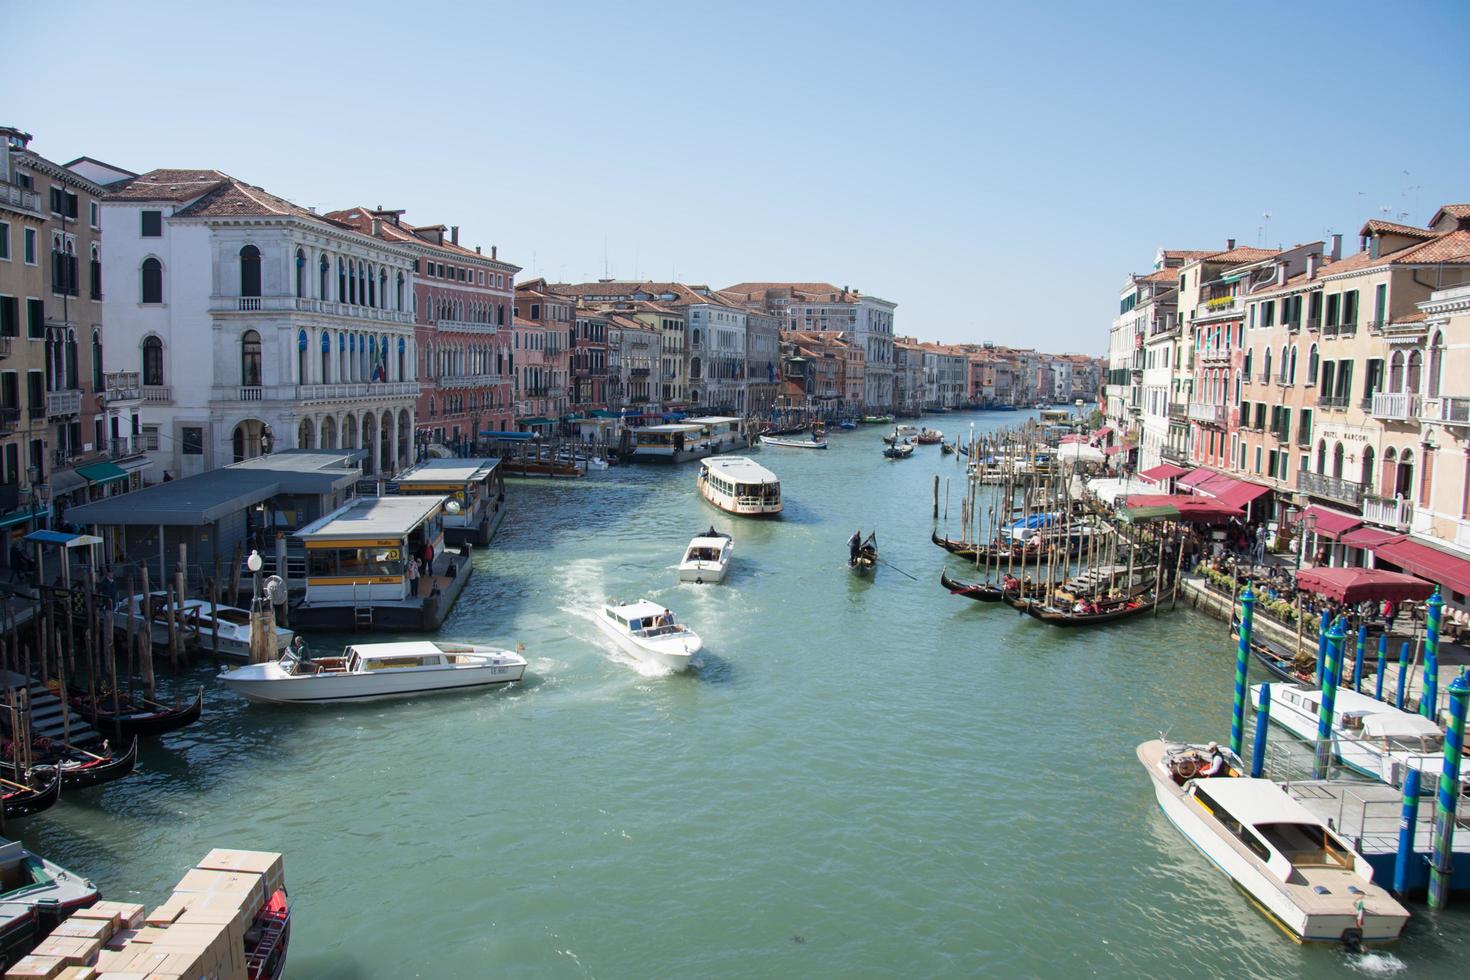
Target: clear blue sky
{"x": 996, "y": 171}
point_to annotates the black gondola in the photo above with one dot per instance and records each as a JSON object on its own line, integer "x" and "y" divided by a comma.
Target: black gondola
{"x": 899, "y": 452}
{"x": 945, "y": 449}
{"x": 136, "y": 716}
{"x": 22, "y": 799}
{"x": 1059, "y": 617}
{"x": 863, "y": 558}
{"x": 1282, "y": 663}
{"x": 82, "y": 768}
{"x": 1002, "y": 555}
{"x": 986, "y": 591}
{"x": 790, "y": 430}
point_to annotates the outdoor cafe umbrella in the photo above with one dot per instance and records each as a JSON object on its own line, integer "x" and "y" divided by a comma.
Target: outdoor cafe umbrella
{"x": 1352, "y": 585}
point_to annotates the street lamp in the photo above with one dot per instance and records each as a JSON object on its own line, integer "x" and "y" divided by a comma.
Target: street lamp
{"x": 254, "y": 564}
{"x": 1309, "y": 526}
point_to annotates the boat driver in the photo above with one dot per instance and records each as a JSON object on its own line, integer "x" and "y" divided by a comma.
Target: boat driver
{"x": 302, "y": 654}
{"x": 1216, "y": 763}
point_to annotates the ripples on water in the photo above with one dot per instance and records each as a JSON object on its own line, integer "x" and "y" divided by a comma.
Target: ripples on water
{"x": 863, "y": 778}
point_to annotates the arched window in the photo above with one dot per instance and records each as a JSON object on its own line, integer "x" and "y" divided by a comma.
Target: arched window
{"x": 98, "y": 383}
{"x": 301, "y": 352}
{"x": 152, "y": 281}
{"x": 324, "y": 269}
{"x": 1282, "y": 367}
{"x": 1321, "y": 455}
{"x": 327, "y": 360}
{"x": 249, "y": 271}
{"x": 402, "y": 359}
{"x": 351, "y": 296}
{"x": 1291, "y": 372}
{"x": 372, "y": 288}
{"x": 96, "y": 274}
{"x": 71, "y": 372}
{"x": 1436, "y": 364}
{"x": 1337, "y": 458}
{"x": 250, "y": 359}
{"x": 1266, "y": 366}
{"x": 300, "y": 273}
{"x": 1249, "y": 359}
{"x": 1390, "y": 472}
{"x": 1411, "y": 374}
{"x": 341, "y": 280}
{"x": 694, "y": 367}
{"x": 1312, "y": 365}
{"x": 152, "y": 361}
{"x": 382, "y": 287}
{"x": 1368, "y": 458}
{"x": 400, "y": 291}
{"x": 1396, "y": 371}
{"x": 1404, "y": 485}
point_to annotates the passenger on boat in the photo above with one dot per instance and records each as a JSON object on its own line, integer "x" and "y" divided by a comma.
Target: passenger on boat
{"x": 667, "y": 619}
{"x": 1079, "y": 607}
{"x": 1010, "y": 583}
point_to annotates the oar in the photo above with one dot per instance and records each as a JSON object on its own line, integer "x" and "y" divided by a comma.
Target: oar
{"x": 895, "y": 568}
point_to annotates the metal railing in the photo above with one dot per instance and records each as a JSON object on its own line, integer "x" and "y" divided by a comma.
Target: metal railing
{"x": 1329, "y": 487}
{"x": 4, "y": 347}
{"x": 1394, "y": 512}
{"x": 1333, "y": 402}
{"x": 9, "y": 419}
{"x": 1220, "y": 306}
{"x": 1397, "y": 406}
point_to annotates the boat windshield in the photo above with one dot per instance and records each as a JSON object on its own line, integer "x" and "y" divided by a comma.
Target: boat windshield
{"x": 1306, "y": 845}
{"x": 1415, "y": 744}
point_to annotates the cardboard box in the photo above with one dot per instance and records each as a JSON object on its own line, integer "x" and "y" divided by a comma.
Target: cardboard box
{"x": 145, "y": 962}
{"x": 99, "y": 929}
{"x": 112, "y": 961}
{"x": 35, "y": 967}
{"x": 167, "y": 912}
{"x": 127, "y": 975}
{"x": 146, "y": 935}
{"x": 99, "y": 914}
{"x": 268, "y": 864}
{"x": 229, "y": 920}
{"x": 246, "y": 884}
{"x": 119, "y": 939}
{"x": 130, "y": 913}
{"x": 73, "y": 951}
{"x": 77, "y": 973}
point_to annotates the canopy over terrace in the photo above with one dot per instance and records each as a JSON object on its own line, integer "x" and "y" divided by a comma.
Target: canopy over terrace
{"x": 1145, "y": 508}
{"x": 1357, "y": 584}
{"x": 64, "y": 541}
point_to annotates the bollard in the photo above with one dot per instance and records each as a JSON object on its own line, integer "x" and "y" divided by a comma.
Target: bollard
{"x": 1321, "y": 646}
{"x": 1331, "y": 668}
{"x": 1242, "y": 666}
{"x": 1358, "y": 653}
{"x": 1441, "y": 873}
{"x": 1398, "y": 697}
{"x": 1258, "y": 747}
{"x": 1429, "y": 691}
{"x": 1378, "y": 678}
{"x": 1408, "y": 822}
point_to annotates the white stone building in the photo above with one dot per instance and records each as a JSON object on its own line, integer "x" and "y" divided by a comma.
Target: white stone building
{"x": 257, "y": 324}
{"x": 717, "y": 377}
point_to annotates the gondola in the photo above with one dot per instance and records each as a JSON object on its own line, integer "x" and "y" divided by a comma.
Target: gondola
{"x": 135, "y": 716}
{"x": 1018, "y": 556}
{"x": 23, "y": 799}
{"x": 899, "y": 452}
{"x": 928, "y": 438}
{"x": 945, "y": 449}
{"x": 81, "y": 768}
{"x": 1282, "y": 663}
{"x": 985, "y": 591}
{"x": 863, "y": 559}
{"x": 960, "y": 448}
{"x": 790, "y": 430}
{"x": 1059, "y": 617}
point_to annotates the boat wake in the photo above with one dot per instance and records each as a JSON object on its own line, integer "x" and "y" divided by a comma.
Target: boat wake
{"x": 1377, "y": 964}
{"x": 611, "y": 650}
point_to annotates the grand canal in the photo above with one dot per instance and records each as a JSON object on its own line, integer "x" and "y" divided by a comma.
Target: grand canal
{"x": 863, "y": 778}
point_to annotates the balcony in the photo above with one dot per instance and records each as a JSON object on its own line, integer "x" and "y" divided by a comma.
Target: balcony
{"x": 123, "y": 447}
{"x": 4, "y": 347}
{"x": 61, "y": 403}
{"x": 1207, "y": 413}
{"x": 1394, "y": 512}
{"x": 1397, "y": 406}
{"x": 1340, "y": 330}
{"x": 1330, "y": 487}
{"x": 312, "y": 394}
{"x": 158, "y": 394}
{"x": 1175, "y": 455}
{"x": 466, "y": 326}
{"x": 122, "y": 386}
{"x": 1178, "y": 413}
{"x": 9, "y": 417}
{"x": 470, "y": 381}
{"x": 1334, "y": 403}
{"x": 1447, "y": 410}
{"x": 1215, "y": 355}
{"x": 19, "y": 197}
{"x": 1221, "y": 306}
{"x": 301, "y": 304}
{"x": 639, "y": 372}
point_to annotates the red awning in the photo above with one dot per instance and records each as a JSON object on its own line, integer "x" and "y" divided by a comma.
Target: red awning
{"x": 1195, "y": 476}
{"x": 1438, "y": 566}
{"x": 1228, "y": 490}
{"x": 1357, "y": 584}
{"x": 1162, "y": 472}
{"x": 1331, "y": 524}
{"x": 1102, "y": 431}
{"x": 1368, "y": 537}
{"x": 1114, "y": 450}
{"x": 1199, "y": 510}
{"x": 1068, "y": 440}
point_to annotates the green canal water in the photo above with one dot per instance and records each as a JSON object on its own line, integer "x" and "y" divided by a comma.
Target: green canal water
{"x": 863, "y": 778}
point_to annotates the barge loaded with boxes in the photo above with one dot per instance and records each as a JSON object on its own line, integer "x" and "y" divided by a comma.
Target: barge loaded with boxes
{"x": 228, "y": 918}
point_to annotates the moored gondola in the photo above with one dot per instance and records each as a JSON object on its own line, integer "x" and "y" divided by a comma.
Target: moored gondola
{"x": 863, "y": 557}
{"x": 988, "y": 591}
{"x": 899, "y": 452}
{"x": 1108, "y": 614}
{"x": 945, "y": 449}
{"x": 80, "y": 768}
{"x": 1017, "y": 554}
{"x": 29, "y": 796}
{"x": 1281, "y": 662}
{"x": 135, "y": 716}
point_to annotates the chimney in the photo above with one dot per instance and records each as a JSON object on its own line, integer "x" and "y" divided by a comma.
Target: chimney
{"x": 377, "y": 227}
{"x": 1337, "y": 247}
{"x": 1312, "y": 259}
{"x": 492, "y": 251}
{"x": 1281, "y": 273}
{"x": 454, "y": 234}
{"x": 477, "y": 250}
{"x": 1229, "y": 244}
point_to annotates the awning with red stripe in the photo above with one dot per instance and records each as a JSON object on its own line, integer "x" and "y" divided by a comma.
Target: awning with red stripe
{"x": 1229, "y": 490}
{"x": 1368, "y": 537}
{"x": 1162, "y": 472}
{"x": 1196, "y": 476}
{"x": 1331, "y": 524}
{"x": 1450, "y": 571}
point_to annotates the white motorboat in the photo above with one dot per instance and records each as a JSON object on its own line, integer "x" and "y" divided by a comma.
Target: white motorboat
{"x": 372, "y": 671}
{"x": 739, "y": 485}
{"x": 786, "y": 443}
{"x": 196, "y": 618}
{"x": 1368, "y": 736}
{"x": 643, "y": 629}
{"x": 905, "y": 430}
{"x": 1309, "y": 880}
{"x": 707, "y": 558}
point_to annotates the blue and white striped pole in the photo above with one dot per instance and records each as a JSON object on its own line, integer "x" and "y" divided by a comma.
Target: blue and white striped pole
{"x": 1258, "y": 747}
{"x": 1429, "y": 692}
{"x": 1382, "y": 657}
{"x": 1336, "y": 635}
{"x": 1440, "y": 871}
{"x": 1242, "y": 666}
{"x": 1403, "y": 861}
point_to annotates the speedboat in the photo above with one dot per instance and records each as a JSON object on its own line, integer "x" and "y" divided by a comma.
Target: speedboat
{"x": 196, "y": 618}
{"x": 905, "y": 430}
{"x": 903, "y": 451}
{"x": 645, "y": 630}
{"x": 1292, "y": 865}
{"x": 1368, "y": 736}
{"x": 36, "y": 896}
{"x": 707, "y": 558}
{"x": 785, "y": 443}
{"x": 371, "y": 671}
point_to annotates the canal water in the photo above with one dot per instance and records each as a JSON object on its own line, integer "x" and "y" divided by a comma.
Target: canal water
{"x": 863, "y": 778}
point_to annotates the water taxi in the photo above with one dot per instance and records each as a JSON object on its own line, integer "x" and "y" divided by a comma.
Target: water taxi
{"x": 373, "y": 671}
{"x": 785, "y": 443}
{"x": 1369, "y": 737}
{"x": 647, "y": 630}
{"x": 1309, "y": 880}
{"x": 692, "y": 438}
{"x": 197, "y": 620}
{"x": 707, "y": 558}
{"x": 739, "y": 485}
{"x": 475, "y": 489}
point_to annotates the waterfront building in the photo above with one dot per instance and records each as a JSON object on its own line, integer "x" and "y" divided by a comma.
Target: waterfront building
{"x": 259, "y": 324}
{"x": 908, "y": 376}
{"x": 1158, "y": 295}
{"x": 717, "y": 343}
{"x": 462, "y": 307}
{"x": 62, "y": 441}
{"x": 543, "y": 331}
{"x": 949, "y": 369}
{"x": 588, "y": 362}
{"x": 635, "y": 353}
{"x": 762, "y": 361}
{"x": 818, "y": 307}
{"x": 810, "y": 375}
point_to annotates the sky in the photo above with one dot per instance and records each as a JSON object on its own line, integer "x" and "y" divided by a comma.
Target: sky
{"x": 997, "y": 171}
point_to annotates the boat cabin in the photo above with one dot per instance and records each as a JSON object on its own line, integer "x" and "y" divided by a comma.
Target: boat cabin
{"x": 669, "y": 441}
{"x": 1276, "y": 828}
{"x": 359, "y": 554}
{"x": 475, "y": 492}
{"x": 721, "y": 433}
{"x": 641, "y": 618}
{"x": 706, "y": 549}
{"x": 739, "y": 485}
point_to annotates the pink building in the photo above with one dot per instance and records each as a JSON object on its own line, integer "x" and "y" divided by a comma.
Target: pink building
{"x": 463, "y": 305}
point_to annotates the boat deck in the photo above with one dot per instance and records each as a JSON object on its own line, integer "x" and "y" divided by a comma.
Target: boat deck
{"x": 1367, "y": 814}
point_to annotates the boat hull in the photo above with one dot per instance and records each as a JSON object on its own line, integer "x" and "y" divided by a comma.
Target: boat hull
{"x": 704, "y": 572}
{"x": 343, "y": 688}
{"x": 660, "y": 655}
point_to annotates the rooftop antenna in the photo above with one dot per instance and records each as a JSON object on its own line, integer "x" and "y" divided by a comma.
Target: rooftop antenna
{"x": 605, "y": 273}
{"x": 1265, "y": 224}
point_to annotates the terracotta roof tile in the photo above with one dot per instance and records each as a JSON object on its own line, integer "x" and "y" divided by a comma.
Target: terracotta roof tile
{"x": 1188, "y": 254}
{"x": 1452, "y": 246}
{"x": 1455, "y": 210}
{"x": 167, "y": 185}
{"x": 1376, "y": 227}
{"x": 1244, "y": 255}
